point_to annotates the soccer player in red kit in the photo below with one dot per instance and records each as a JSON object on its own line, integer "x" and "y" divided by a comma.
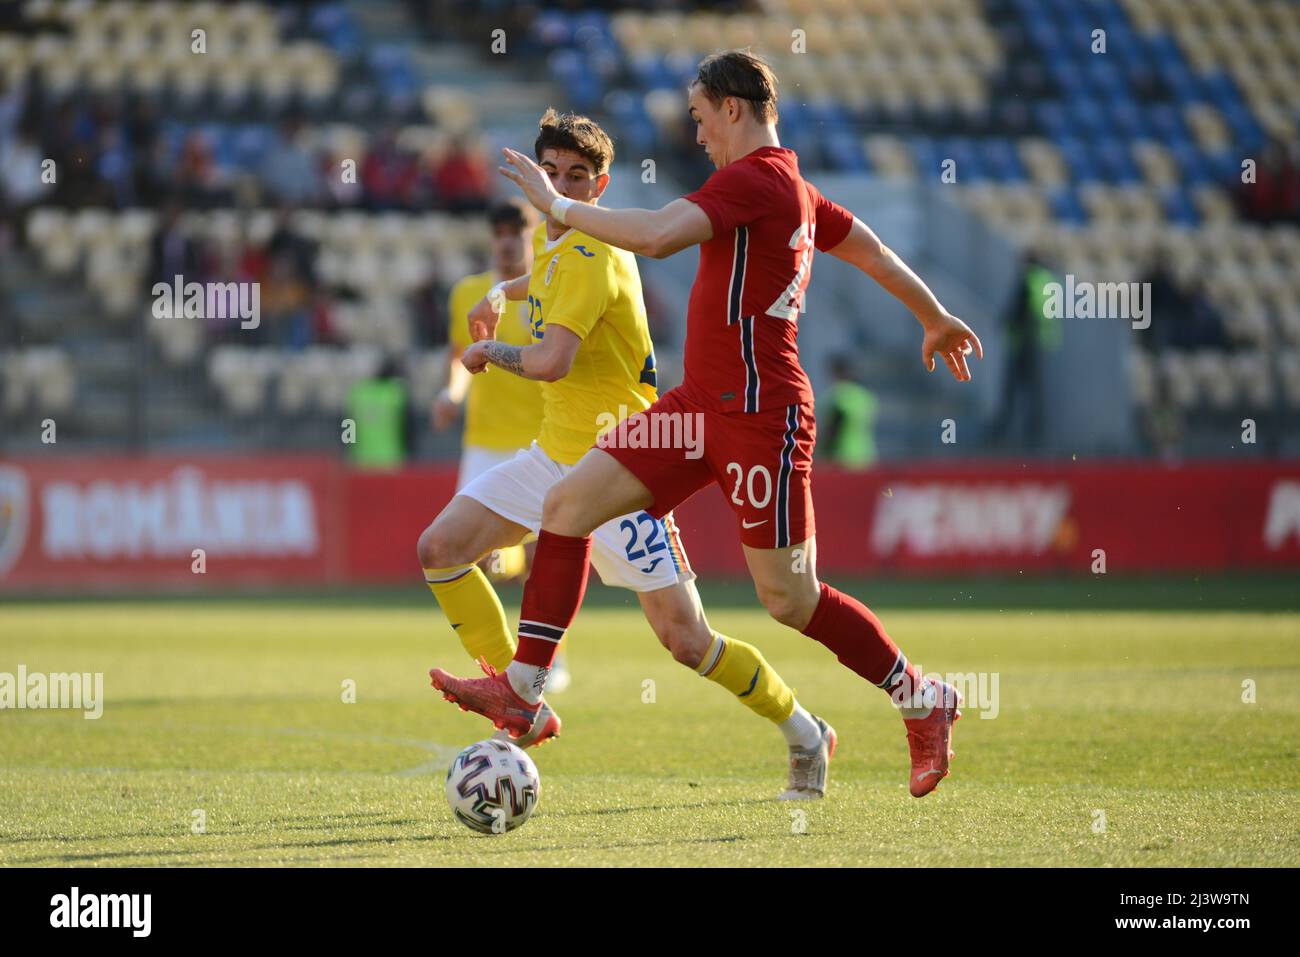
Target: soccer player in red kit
{"x": 757, "y": 222}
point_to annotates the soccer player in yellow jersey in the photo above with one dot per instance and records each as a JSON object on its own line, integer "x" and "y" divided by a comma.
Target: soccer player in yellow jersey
{"x": 591, "y": 351}
{"x": 502, "y": 413}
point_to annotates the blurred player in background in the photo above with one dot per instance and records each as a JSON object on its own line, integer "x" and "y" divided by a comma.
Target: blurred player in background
{"x": 757, "y": 223}
{"x": 850, "y": 434}
{"x": 592, "y": 353}
{"x": 503, "y": 414}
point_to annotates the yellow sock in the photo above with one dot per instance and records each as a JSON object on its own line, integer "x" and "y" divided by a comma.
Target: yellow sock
{"x": 742, "y": 670}
{"x": 508, "y": 563}
{"x": 474, "y": 610}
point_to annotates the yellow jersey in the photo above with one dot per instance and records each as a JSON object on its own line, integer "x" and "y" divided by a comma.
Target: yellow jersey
{"x": 503, "y": 412}
{"x": 594, "y": 291}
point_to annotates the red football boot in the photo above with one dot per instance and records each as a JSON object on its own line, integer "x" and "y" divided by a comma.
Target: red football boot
{"x": 929, "y": 738}
{"x": 492, "y": 697}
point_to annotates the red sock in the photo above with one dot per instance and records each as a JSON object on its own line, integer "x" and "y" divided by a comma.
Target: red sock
{"x": 847, "y": 627}
{"x": 552, "y": 596}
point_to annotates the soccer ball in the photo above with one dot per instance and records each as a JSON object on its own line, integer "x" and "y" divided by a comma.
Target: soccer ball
{"x": 492, "y": 786}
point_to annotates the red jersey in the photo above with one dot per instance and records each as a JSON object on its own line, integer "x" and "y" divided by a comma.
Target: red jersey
{"x": 742, "y": 350}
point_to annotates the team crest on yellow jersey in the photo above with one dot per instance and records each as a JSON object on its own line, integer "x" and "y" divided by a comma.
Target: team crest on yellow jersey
{"x": 550, "y": 270}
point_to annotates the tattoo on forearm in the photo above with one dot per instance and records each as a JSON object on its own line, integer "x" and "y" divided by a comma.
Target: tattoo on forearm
{"x": 507, "y": 357}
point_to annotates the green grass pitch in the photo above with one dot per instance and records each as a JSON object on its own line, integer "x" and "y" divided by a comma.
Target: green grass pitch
{"x": 1130, "y": 719}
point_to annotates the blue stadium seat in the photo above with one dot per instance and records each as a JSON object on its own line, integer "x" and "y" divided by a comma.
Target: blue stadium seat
{"x": 252, "y": 142}
{"x": 1178, "y": 207}
{"x": 585, "y": 89}
{"x": 1126, "y": 119}
{"x": 334, "y": 24}
{"x": 1079, "y": 158}
{"x": 845, "y": 152}
{"x": 1054, "y": 119}
{"x": 1116, "y": 161}
{"x": 1086, "y": 117}
{"x": 1066, "y": 207}
{"x": 926, "y": 156}
{"x": 1002, "y": 162}
{"x": 552, "y": 29}
{"x": 1192, "y": 165}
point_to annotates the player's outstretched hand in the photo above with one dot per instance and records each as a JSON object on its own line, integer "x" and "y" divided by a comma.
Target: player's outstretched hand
{"x": 475, "y": 358}
{"x": 483, "y": 321}
{"x": 529, "y": 177}
{"x": 954, "y": 340}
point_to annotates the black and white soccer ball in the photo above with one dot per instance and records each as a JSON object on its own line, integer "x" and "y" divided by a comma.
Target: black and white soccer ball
{"x": 493, "y": 786}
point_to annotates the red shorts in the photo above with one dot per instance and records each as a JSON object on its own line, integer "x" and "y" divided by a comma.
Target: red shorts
{"x": 762, "y": 461}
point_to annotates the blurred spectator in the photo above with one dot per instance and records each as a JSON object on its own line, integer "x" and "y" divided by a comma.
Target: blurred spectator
{"x": 462, "y": 179}
{"x": 153, "y": 170}
{"x": 115, "y": 167}
{"x": 850, "y": 436}
{"x": 389, "y": 175}
{"x": 1274, "y": 197}
{"x": 380, "y": 409}
{"x": 287, "y": 304}
{"x": 68, "y": 139}
{"x": 21, "y": 161}
{"x": 1162, "y": 426}
{"x": 284, "y": 268}
{"x": 1181, "y": 317}
{"x": 171, "y": 252}
{"x": 289, "y": 172}
{"x": 195, "y": 174}
{"x": 1029, "y": 331}
{"x": 287, "y": 243}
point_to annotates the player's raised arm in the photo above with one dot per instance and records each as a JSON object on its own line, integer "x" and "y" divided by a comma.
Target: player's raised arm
{"x": 656, "y": 233}
{"x": 944, "y": 333}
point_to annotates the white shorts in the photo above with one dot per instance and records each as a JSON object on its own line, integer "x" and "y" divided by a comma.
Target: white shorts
{"x": 633, "y": 551}
{"x": 475, "y": 460}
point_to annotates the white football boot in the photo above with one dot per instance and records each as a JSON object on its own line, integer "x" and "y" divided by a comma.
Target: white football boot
{"x": 808, "y": 767}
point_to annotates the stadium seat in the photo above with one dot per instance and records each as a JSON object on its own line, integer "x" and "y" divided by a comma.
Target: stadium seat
{"x": 1253, "y": 377}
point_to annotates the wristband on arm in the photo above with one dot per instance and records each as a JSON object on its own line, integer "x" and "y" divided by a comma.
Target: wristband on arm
{"x": 560, "y": 209}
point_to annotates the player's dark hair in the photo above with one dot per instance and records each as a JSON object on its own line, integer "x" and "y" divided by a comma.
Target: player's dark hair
{"x": 741, "y": 74}
{"x": 579, "y": 134}
{"x": 511, "y": 212}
